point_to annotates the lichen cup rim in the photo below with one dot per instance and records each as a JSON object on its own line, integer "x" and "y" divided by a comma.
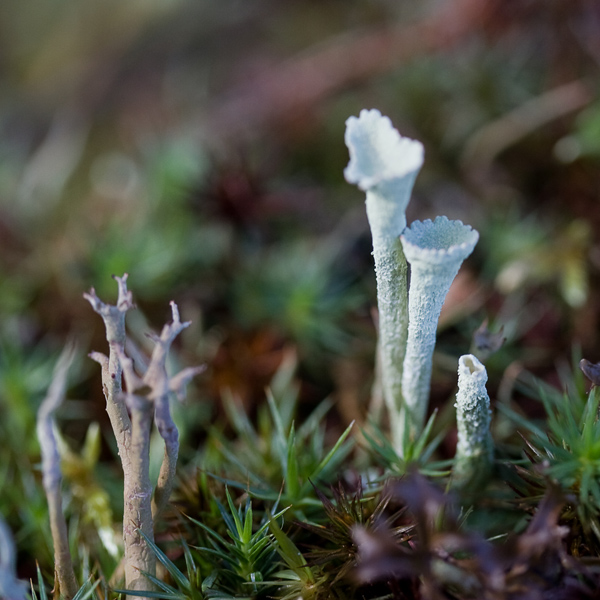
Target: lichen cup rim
{"x": 440, "y": 241}
{"x": 471, "y": 366}
{"x": 392, "y": 155}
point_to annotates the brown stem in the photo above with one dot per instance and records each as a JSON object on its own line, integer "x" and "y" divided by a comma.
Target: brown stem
{"x": 52, "y": 476}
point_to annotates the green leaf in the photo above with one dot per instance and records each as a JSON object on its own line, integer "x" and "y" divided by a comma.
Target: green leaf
{"x": 331, "y": 454}
{"x": 314, "y": 420}
{"x": 247, "y": 532}
{"x": 177, "y": 575}
{"x": 41, "y": 587}
{"x": 239, "y": 419}
{"x": 239, "y": 528}
{"x": 292, "y": 485}
{"x": 151, "y": 594}
{"x": 291, "y": 555}
{"x": 208, "y": 530}
{"x": 86, "y": 590}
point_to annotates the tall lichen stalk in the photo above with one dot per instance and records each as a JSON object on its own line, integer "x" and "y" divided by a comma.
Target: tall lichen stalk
{"x": 391, "y": 274}
{"x": 385, "y": 165}
{"x": 131, "y": 414}
{"x": 435, "y": 251}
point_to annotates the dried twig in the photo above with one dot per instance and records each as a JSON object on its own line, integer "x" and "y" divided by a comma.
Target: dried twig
{"x": 52, "y": 476}
{"x": 144, "y": 397}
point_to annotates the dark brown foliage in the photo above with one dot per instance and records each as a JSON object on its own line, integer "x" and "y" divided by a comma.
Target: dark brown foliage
{"x": 444, "y": 560}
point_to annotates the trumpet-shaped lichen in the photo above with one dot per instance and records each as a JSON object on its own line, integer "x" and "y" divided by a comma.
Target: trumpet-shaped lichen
{"x": 385, "y": 165}
{"x": 435, "y": 251}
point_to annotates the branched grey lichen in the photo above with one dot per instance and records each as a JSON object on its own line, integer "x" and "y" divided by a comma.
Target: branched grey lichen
{"x": 161, "y": 385}
{"x": 146, "y": 397}
{"x": 114, "y": 322}
{"x": 52, "y": 475}
{"x": 137, "y": 488}
{"x": 475, "y": 449}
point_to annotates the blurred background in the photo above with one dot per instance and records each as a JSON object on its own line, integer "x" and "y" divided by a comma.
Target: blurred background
{"x": 198, "y": 146}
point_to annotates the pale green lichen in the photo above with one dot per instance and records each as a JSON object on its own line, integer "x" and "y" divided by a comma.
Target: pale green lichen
{"x": 385, "y": 165}
{"x": 474, "y": 450}
{"x": 435, "y": 251}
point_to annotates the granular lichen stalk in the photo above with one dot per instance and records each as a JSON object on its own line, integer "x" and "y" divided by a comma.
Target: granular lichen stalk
{"x": 385, "y": 164}
{"x": 435, "y": 251}
{"x": 474, "y": 450}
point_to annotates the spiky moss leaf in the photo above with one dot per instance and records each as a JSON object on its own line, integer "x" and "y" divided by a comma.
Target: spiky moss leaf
{"x": 291, "y": 555}
{"x": 569, "y": 451}
{"x": 417, "y": 453}
{"x": 246, "y": 558}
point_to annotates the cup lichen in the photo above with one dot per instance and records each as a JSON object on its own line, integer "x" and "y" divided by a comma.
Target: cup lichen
{"x": 385, "y": 165}
{"x": 435, "y": 251}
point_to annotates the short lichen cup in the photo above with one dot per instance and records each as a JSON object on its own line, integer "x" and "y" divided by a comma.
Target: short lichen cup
{"x": 385, "y": 165}
{"x": 435, "y": 251}
{"x": 474, "y": 451}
